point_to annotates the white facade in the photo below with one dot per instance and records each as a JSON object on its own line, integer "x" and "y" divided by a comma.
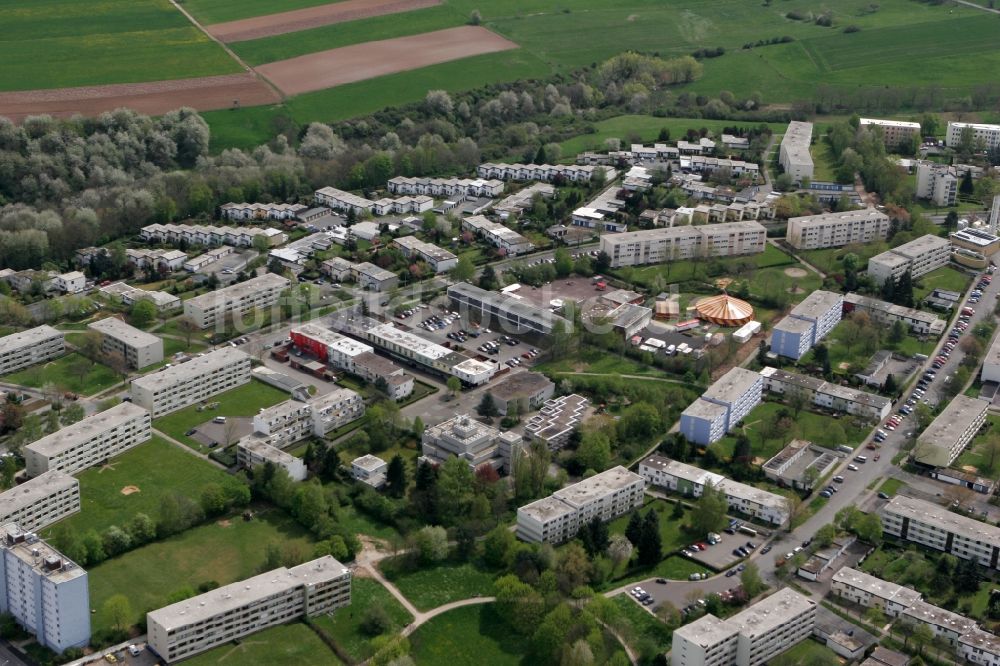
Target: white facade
{"x": 807, "y": 324}
{"x": 812, "y": 232}
{"x": 252, "y": 451}
{"x": 989, "y": 135}
{"x": 657, "y": 246}
{"x": 41, "y": 501}
{"x": 543, "y": 172}
{"x": 438, "y": 259}
{"x": 871, "y": 592}
{"x": 933, "y": 526}
{"x": 260, "y": 211}
{"x": 503, "y": 311}
{"x": 27, "y": 348}
{"x": 895, "y": 133}
{"x": 794, "y": 156}
{"x": 919, "y": 256}
{"x": 70, "y": 283}
{"x": 497, "y": 235}
{"x": 139, "y": 348}
{"x": 724, "y": 404}
{"x": 233, "y": 611}
{"x": 937, "y": 182}
{"x": 197, "y": 234}
{"x": 370, "y": 470}
{"x": 177, "y": 387}
{"x": 951, "y": 431}
{"x": 93, "y": 440}
{"x": 827, "y": 395}
{"x": 237, "y": 300}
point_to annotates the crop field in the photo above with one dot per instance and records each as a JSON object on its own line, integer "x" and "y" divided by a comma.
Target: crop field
{"x": 58, "y": 43}
{"x": 217, "y": 11}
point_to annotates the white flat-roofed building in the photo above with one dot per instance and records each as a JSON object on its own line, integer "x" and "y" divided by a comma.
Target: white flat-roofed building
{"x": 933, "y": 526}
{"x": 991, "y": 363}
{"x": 827, "y": 395}
{"x": 749, "y": 638}
{"x": 884, "y": 312}
{"x": 895, "y": 133}
{"x": 871, "y": 592}
{"x": 239, "y": 609}
{"x": 139, "y": 348}
{"x": 45, "y": 591}
{"x": 370, "y": 470}
{"x": 372, "y": 277}
{"x": 260, "y": 211}
{"x": 919, "y": 256}
{"x": 979, "y": 647}
{"x": 446, "y": 187}
{"x": 807, "y": 324}
{"x": 440, "y": 260}
{"x": 177, "y": 387}
{"x": 812, "y": 232}
{"x": 951, "y": 431}
{"x": 27, "y": 348}
{"x": 794, "y": 156}
{"x": 989, "y": 135}
{"x": 253, "y": 450}
{"x": 70, "y": 283}
{"x": 41, "y": 501}
{"x": 525, "y": 390}
{"x": 157, "y": 260}
{"x": 691, "y": 481}
{"x": 371, "y": 367}
{"x": 736, "y": 392}
{"x": 466, "y": 438}
{"x": 937, "y": 183}
{"x": 128, "y": 295}
{"x": 334, "y": 409}
{"x": 212, "y": 308}
{"x": 497, "y": 235}
{"x": 88, "y": 442}
{"x": 504, "y": 311}
{"x": 291, "y": 421}
{"x": 197, "y": 234}
{"x": 543, "y": 172}
{"x": 556, "y": 420}
{"x": 604, "y": 496}
{"x": 329, "y": 346}
{"x": 663, "y": 244}
{"x": 946, "y": 625}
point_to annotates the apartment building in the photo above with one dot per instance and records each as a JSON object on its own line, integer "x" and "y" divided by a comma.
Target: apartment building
{"x": 515, "y": 204}
{"x": 253, "y": 450}
{"x": 338, "y": 269}
{"x": 544, "y": 172}
{"x": 372, "y": 277}
{"x": 951, "y": 431}
{"x": 813, "y": 232}
{"x": 213, "y": 308}
{"x": 93, "y": 440}
{"x": 871, "y": 592}
{"x": 523, "y": 391}
{"x": 711, "y": 165}
{"x": 70, "y": 283}
{"x": 826, "y": 395}
{"x": 895, "y": 133}
{"x": 370, "y": 470}
{"x": 197, "y": 234}
{"x": 346, "y": 202}
{"x": 657, "y": 246}
{"x": 163, "y": 261}
{"x": 794, "y": 156}
{"x": 979, "y": 647}
{"x": 41, "y": 501}
{"x": 440, "y": 260}
{"x": 230, "y": 612}
{"x": 45, "y": 591}
{"x": 27, "y": 348}
{"x": 937, "y": 183}
{"x": 466, "y": 438}
{"x": 291, "y": 421}
{"x": 919, "y": 256}
{"x": 789, "y": 466}
{"x": 329, "y": 346}
{"x": 988, "y": 135}
{"x": 991, "y": 363}
{"x": 749, "y": 638}
{"x": 559, "y": 516}
{"x": 556, "y": 420}
{"x": 936, "y": 527}
{"x": 446, "y": 187}
{"x": 503, "y": 311}
{"x": 886, "y": 313}
{"x": 177, "y": 387}
{"x": 139, "y": 348}
{"x": 690, "y": 481}
{"x": 398, "y": 384}
{"x": 260, "y": 211}
{"x": 947, "y": 626}
{"x": 807, "y": 324}
{"x": 497, "y": 235}
{"x": 722, "y": 406}
{"x": 128, "y": 295}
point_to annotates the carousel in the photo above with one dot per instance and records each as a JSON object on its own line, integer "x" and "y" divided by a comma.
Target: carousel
{"x": 724, "y": 310}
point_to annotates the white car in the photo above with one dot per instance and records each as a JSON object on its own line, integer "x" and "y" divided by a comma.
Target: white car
{"x": 852, "y": 467}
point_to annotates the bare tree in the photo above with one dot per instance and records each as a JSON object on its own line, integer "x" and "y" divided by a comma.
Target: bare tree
{"x": 117, "y": 362}
{"x": 229, "y": 432}
{"x": 188, "y": 328}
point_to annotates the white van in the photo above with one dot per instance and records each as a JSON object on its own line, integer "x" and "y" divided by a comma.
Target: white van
{"x": 219, "y": 419}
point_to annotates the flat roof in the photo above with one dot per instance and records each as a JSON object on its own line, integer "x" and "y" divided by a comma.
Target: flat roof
{"x": 939, "y": 617}
{"x": 332, "y": 339}
{"x": 706, "y": 631}
{"x": 876, "y": 586}
{"x": 843, "y": 217}
{"x": 792, "y": 324}
{"x": 430, "y": 249}
{"x": 505, "y": 303}
{"x": 798, "y": 137}
{"x": 981, "y": 639}
{"x": 368, "y": 462}
{"x": 39, "y": 555}
{"x": 520, "y": 385}
{"x": 34, "y": 490}
{"x": 920, "y": 246}
{"x": 949, "y": 425}
{"x": 196, "y": 367}
{"x": 546, "y": 509}
{"x": 82, "y": 431}
{"x": 241, "y": 289}
{"x": 28, "y": 338}
{"x": 266, "y": 451}
{"x": 704, "y": 409}
{"x": 599, "y": 485}
{"x": 126, "y": 333}
{"x": 372, "y": 271}
{"x": 890, "y": 123}
{"x": 733, "y": 385}
{"x": 929, "y": 513}
{"x": 765, "y": 615}
{"x": 817, "y": 304}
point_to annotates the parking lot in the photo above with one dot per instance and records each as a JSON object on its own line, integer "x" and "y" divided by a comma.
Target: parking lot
{"x": 721, "y": 555}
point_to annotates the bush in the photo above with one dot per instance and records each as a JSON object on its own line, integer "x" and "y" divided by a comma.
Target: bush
{"x": 376, "y": 621}
{"x": 852, "y": 28}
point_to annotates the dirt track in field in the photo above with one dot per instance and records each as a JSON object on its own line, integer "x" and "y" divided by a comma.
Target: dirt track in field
{"x": 154, "y": 98}
{"x": 326, "y": 69}
{"x": 311, "y": 17}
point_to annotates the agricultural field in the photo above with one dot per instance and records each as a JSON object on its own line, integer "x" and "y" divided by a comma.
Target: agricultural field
{"x": 60, "y": 43}
{"x": 471, "y": 630}
{"x": 285, "y": 644}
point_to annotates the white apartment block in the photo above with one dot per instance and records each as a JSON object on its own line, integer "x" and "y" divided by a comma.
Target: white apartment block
{"x": 937, "y": 183}
{"x": 260, "y": 211}
{"x": 690, "y": 481}
{"x": 497, "y": 235}
{"x": 991, "y": 363}
{"x": 252, "y": 451}
{"x": 871, "y": 592}
{"x": 196, "y": 264}
{"x": 239, "y": 609}
{"x": 181, "y": 385}
{"x": 139, "y": 348}
{"x": 503, "y": 311}
{"x": 989, "y": 135}
{"x": 41, "y": 501}
{"x": 27, "y": 348}
{"x": 544, "y": 172}
{"x": 812, "y": 232}
{"x": 933, "y": 526}
{"x": 884, "y": 312}
{"x": 919, "y": 256}
{"x": 372, "y": 277}
{"x": 559, "y": 516}
{"x": 657, "y": 246}
{"x": 980, "y": 647}
{"x": 70, "y": 283}
{"x": 128, "y": 295}
{"x": 237, "y": 300}
{"x": 807, "y": 324}
{"x": 46, "y": 592}
{"x": 370, "y": 470}
{"x": 950, "y": 431}
{"x": 371, "y": 367}
{"x": 827, "y": 395}
{"x": 197, "y": 234}
{"x": 474, "y": 442}
{"x": 439, "y": 259}
{"x": 794, "y": 156}
{"x": 749, "y": 638}
{"x": 895, "y": 133}
{"x": 291, "y": 421}
{"x": 446, "y": 187}
{"x": 89, "y": 442}
{"x": 710, "y": 165}
{"x": 724, "y": 404}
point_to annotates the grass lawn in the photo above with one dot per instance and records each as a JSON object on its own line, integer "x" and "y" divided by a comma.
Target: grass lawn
{"x": 825, "y": 164}
{"x": 842, "y": 356}
{"x": 672, "y": 536}
{"x": 344, "y": 626}
{"x": 975, "y": 455}
{"x": 244, "y": 401}
{"x": 224, "y": 552}
{"x": 453, "y": 637}
{"x": 891, "y": 486}
{"x": 830, "y": 260}
{"x": 430, "y": 587}
{"x": 63, "y": 373}
{"x": 807, "y": 425}
{"x": 806, "y": 652}
{"x": 156, "y": 468}
{"x": 945, "y": 277}
{"x": 642, "y": 624}
{"x": 599, "y": 361}
{"x": 285, "y": 644}
{"x": 60, "y": 43}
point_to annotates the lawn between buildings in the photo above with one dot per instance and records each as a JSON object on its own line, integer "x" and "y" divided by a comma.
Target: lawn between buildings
{"x": 344, "y": 627}
{"x": 946, "y": 277}
{"x": 812, "y": 426}
{"x": 63, "y": 373}
{"x": 428, "y": 587}
{"x": 292, "y": 643}
{"x": 452, "y": 637}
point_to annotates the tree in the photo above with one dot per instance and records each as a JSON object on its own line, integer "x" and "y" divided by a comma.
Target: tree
{"x": 869, "y": 528}
{"x": 213, "y": 499}
{"x": 966, "y": 578}
{"x": 709, "y": 514}
{"x": 563, "y": 262}
{"x": 72, "y": 413}
{"x": 118, "y": 610}
{"x": 464, "y": 270}
{"x": 922, "y": 636}
{"x": 143, "y": 313}
{"x": 633, "y": 530}
{"x": 751, "y": 580}
{"x": 488, "y": 278}
{"x": 8, "y": 469}
{"x": 432, "y": 544}
{"x": 518, "y": 604}
{"x": 825, "y": 535}
{"x": 395, "y": 476}
{"x": 620, "y": 549}
{"x": 650, "y": 542}
{"x": 898, "y": 332}
{"x": 376, "y": 621}
{"x": 487, "y": 407}
{"x": 594, "y": 452}
{"x": 890, "y": 385}
{"x": 454, "y": 385}
{"x": 188, "y": 327}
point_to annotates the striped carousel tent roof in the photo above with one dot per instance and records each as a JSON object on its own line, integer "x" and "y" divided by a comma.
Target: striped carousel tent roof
{"x": 724, "y": 310}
